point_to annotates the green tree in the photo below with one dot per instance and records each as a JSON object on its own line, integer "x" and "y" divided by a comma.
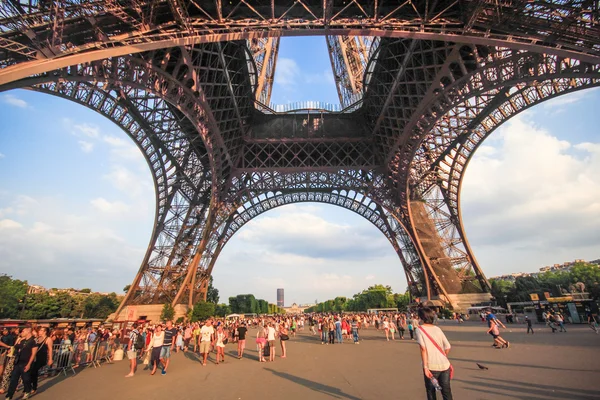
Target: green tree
{"x": 202, "y": 310}
{"x": 126, "y": 289}
{"x": 12, "y": 292}
{"x": 168, "y": 312}
{"x": 233, "y": 304}
{"x": 222, "y": 310}
{"x": 86, "y": 290}
{"x": 212, "y": 294}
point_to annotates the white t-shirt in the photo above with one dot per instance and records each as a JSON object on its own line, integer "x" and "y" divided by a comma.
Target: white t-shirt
{"x": 158, "y": 339}
{"x": 271, "y": 334}
{"x": 435, "y": 359}
{"x": 206, "y": 333}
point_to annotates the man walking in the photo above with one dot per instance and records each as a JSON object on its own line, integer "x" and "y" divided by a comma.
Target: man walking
{"x": 338, "y": 330}
{"x": 168, "y": 346}
{"x": 207, "y": 337}
{"x": 131, "y": 350}
{"x": 241, "y": 339}
{"x": 529, "y": 327}
{"x": 26, "y": 351}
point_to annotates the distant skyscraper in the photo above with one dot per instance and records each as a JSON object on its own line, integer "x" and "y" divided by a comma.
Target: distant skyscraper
{"x": 280, "y": 298}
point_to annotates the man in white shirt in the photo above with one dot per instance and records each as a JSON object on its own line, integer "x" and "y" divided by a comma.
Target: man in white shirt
{"x": 207, "y": 334}
{"x": 271, "y": 339}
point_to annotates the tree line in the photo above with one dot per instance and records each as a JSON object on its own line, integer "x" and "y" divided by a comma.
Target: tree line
{"x": 16, "y": 303}
{"x": 582, "y": 277}
{"x": 376, "y": 296}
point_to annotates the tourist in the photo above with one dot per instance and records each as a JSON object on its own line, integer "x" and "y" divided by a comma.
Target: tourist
{"x": 529, "y": 327}
{"x": 434, "y": 355}
{"x": 179, "y": 341}
{"x": 260, "y": 342}
{"x": 402, "y": 325}
{"x": 547, "y": 316}
{"x": 156, "y": 342}
{"x": 220, "y": 339}
{"x": 283, "y": 337}
{"x": 393, "y": 329}
{"x": 241, "y": 333}
{"x": 558, "y": 318}
{"x": 196, "y": 336}
{"x": 9, "y": 338}
{"x": 43, "y": 357}
{"x": 25, "y": 352}
{"x": 132, "y": 351}
{"x": 187, "y": 337}
{"x": 495, "y": 332}
{"x": 411, "y": 330}
{"x": 354, "y": 328}
{"x": 338, "y": 330}
{"x": 386, "y": 328}
{"x": 591, "y": 320}
{"x": 323, "y": 329}
{"x": 271, "y": 341}
{"x": 168, "y": 346}
{"x": 207, "y": 334}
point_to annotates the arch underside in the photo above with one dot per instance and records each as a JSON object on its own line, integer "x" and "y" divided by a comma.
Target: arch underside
{"x": 187, "y": 98}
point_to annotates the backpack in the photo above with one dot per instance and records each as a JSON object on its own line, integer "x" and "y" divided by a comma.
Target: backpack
{"x": 139, "y": 342}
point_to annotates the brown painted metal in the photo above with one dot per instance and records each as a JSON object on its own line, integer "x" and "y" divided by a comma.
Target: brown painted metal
{"x": 190, "y": 83}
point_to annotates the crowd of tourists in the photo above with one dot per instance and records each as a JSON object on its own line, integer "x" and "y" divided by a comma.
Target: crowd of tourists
{"x": 27, "y": 352}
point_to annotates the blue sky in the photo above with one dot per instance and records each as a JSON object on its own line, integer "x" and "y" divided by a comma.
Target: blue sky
{"x": 77, "y": 199}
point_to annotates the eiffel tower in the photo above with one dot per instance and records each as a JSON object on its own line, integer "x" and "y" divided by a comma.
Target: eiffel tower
{"x": 421, "y": 85}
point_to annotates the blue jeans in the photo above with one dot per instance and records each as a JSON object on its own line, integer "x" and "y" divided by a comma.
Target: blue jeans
{"x": 355, "y": 335}
{"x": 323, "y": 336}
{"x": 338, "y": 335}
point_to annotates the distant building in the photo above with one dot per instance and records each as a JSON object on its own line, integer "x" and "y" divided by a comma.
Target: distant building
{"x": 566, "y": 266}
{"x": 297, "y": 308}
{"x": 280, "y": 301}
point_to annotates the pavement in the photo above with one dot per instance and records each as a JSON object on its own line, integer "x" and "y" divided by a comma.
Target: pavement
{"x": 539, "y": 366}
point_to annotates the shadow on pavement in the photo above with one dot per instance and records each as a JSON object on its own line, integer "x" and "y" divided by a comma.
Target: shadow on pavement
{"x": 527, "y": 389}
{"x": 317, "y": 387}
{"x": 524, "y": 365}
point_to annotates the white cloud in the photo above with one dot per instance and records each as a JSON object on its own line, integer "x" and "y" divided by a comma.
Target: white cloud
{"x": 2, "y": 156}
{"x": 287, "y": 72}
{"x": 72, "y": 250}
{"x": 86, "y": 147}
{"x": 323, "y": 78}
{"x": 9, "y": 224}
{"x": 535, "y": 197}
{"x": 14, "y": 101}
{"x": 369, "y": 277}
{"x": 115, "y": 207}
{"x": 82, "y": 130}
{"x": 129, "y": 181}
{"x": 572, "y": 98}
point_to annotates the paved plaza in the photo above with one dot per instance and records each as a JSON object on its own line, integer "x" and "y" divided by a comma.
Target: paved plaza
{"x": 540, "y": 366}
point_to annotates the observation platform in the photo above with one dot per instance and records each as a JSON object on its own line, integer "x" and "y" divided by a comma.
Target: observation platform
{"x": 540, "y": 366}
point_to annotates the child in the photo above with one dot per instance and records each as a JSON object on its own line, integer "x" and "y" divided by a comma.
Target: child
{"x": 410, "y": 330}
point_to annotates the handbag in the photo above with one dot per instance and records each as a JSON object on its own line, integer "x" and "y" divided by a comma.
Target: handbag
{"x": 439, "y": 348}
{"x": 147, "y": 357}
{"x": 283, "y": 336}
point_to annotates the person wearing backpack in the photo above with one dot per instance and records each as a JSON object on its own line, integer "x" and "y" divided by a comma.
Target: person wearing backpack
{"x": 133, "y": 347}
{"x": 434, "y": 345}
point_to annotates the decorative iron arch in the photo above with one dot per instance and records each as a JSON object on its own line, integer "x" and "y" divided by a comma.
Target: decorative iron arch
{"x": 384, "y": 220}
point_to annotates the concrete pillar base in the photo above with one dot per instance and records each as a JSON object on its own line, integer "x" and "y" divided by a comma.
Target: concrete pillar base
{"x": 149, "y": 312}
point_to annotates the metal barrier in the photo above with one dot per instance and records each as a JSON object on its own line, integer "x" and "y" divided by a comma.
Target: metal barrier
{"x": 67, "y": 357}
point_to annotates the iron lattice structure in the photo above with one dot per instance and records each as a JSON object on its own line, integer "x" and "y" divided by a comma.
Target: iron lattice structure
{"x": 422, "y": 84}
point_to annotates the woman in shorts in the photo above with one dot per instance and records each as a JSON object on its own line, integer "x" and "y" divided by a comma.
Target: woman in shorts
{"x": 283, "y": 337}
{"x": 260, "y": 342}
{"x": 221, "y": 336}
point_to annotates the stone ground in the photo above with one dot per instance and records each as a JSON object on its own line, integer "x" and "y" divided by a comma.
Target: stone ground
{"x": 540, "y": 366}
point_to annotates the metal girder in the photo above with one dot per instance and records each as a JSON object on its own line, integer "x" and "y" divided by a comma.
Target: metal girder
{"x": 264, "y": 52}
{"x": 186, "y": 80}
{"x": 382, "y": 218}
{"x": 568, "y": 28}
{"x": 349, "y": 56}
